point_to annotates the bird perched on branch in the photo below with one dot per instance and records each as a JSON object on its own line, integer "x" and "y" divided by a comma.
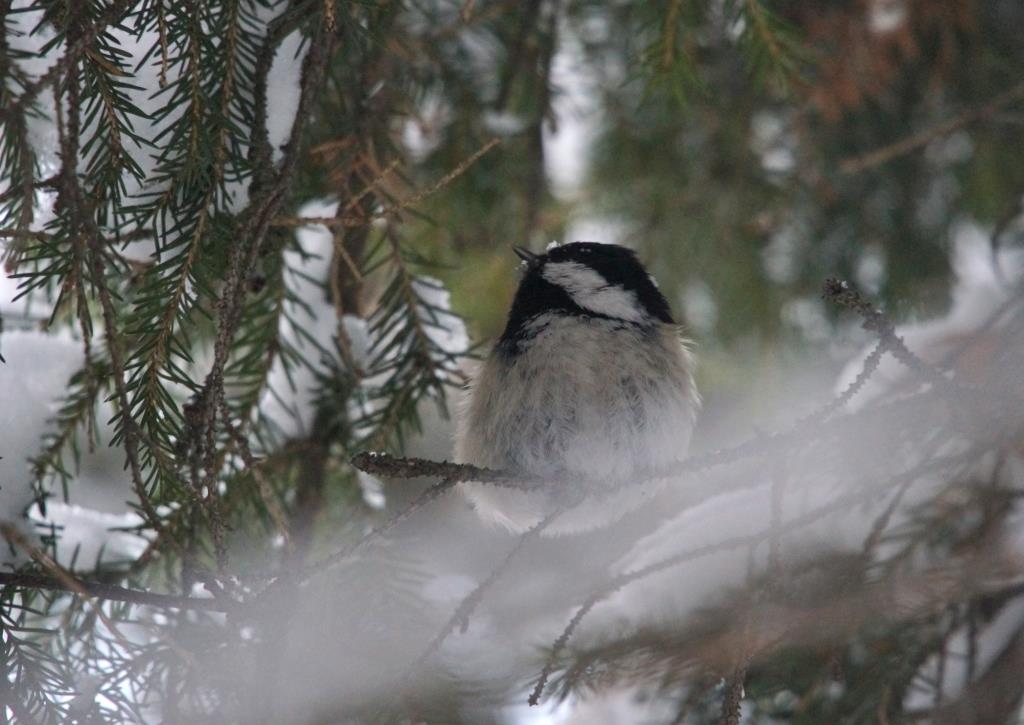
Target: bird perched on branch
{"x": 590, "y": 385}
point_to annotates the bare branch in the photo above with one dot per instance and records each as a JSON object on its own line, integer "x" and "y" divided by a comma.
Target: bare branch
{"x": 288, "y": 579}
{"x": 342, "y": 220}
{"x": 911, "y": 143}
{"x": 60, "y": 574}
{"x": 733, "y": 700}
{"x": 841, "y": 293}
{"x": 388, "y": 466}
{"x": 460, "y": 619}
{"x": 111, "y": 592}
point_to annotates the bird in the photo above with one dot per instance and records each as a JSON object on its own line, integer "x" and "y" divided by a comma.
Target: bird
{"x": 590, "y": 386}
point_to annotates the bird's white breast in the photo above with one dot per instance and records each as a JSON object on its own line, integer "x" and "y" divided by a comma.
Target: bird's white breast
{"x": 587, "y": 397}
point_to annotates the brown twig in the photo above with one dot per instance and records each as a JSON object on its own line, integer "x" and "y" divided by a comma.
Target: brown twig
{"x": 668, "y": 35}
{"x": 371, "y": 187}
{"x": 330, "y": 16}
{"x": 920, "y": 139}
{"x": 345, "y": 288}
{"x": 394, "y": 210}
{"x": 782, "y": 625}
{"x": 882, "y": 711}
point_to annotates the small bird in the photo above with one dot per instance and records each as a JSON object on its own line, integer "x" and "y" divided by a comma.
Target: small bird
{"x": 590, "y": 385}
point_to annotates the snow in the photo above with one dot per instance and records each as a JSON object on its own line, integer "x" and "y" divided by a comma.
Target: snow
{"x": 37, "y": 370}
{"x": 283, "y": 89}
{"x": 773, "y": 142}
{"x": 372, "y": 489}
{"x": 575, "y": 107}
{"x": 87, "y": 536}
{"x": 31, "y": 386}
{"x": 310, "y": 326}
{"x": 444, "y": 328}
{"x": 886, "y": 16}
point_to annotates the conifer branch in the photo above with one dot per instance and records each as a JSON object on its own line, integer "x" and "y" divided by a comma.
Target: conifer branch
{"x": 17, "y": 157}
{"x": 893, "y": 600}
{"x": 264, "y": 204}
{"x": 258, "y": 216}
{"x": 186, "y": 346}
{"x": 67, "y": 580}
{"x": 812, "y": 516}
{"x": 128, "y": 425}
{"x": 110, "y": 592}
{"x": 74, "y": 51}
{"x": 386, "y": 465}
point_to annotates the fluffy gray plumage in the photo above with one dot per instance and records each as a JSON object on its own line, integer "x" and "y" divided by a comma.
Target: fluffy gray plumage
{"x": 595, "y": 391}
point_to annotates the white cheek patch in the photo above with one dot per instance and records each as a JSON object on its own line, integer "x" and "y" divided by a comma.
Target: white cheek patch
{"x": 591, "y": 291}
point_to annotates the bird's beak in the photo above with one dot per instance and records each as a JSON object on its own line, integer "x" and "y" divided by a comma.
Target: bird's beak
{"x": 526, "y": 255}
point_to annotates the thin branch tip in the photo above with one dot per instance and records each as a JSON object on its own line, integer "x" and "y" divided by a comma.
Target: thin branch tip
{"x": 378, "y": 463}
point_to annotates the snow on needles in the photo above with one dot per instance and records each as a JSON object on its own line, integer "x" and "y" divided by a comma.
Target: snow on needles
{"x": 310, "y": 326}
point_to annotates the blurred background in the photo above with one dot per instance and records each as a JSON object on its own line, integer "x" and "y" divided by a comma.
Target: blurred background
{"x": 747, "y": 149}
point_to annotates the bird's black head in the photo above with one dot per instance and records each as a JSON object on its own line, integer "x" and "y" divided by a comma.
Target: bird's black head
{"x": 588, "y": 280}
